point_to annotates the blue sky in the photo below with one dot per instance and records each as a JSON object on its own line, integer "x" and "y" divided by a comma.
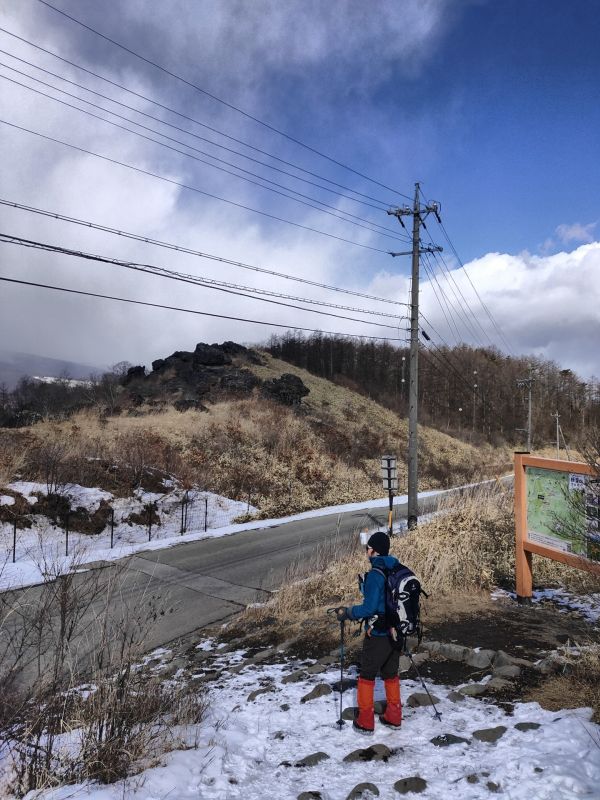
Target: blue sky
{"x": 493, "y": 106}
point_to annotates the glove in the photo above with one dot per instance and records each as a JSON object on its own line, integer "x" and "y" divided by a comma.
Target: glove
{"x": 342, "y": 614}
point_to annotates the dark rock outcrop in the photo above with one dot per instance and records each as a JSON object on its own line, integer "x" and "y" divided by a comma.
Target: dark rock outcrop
{"x": 133, "y": 374}
{"x": 211, "y": 371}
{"x": 288, "y": 389}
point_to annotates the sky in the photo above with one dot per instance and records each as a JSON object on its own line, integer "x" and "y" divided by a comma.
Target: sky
{"x": 491, "y": 107}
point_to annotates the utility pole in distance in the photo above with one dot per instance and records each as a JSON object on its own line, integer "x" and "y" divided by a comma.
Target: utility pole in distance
{"x": 522, "y": 383}
{"x": 418, "y": 213}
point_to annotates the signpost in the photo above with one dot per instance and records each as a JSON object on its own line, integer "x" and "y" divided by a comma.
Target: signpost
{"x": 389, "y": 474}
{"x": 557, "y": 515}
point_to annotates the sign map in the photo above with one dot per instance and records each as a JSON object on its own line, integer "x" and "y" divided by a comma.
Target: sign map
{"x": 563, "y": 511}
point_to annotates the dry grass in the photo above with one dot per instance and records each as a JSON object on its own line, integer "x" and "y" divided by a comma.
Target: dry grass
{"x": 458, "y": 556}
{"x": 578, "y": 686}
{"x": 282, "y": 460}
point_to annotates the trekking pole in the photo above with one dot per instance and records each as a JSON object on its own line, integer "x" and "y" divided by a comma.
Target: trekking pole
{"x": 340, "y": 722}
{"x": 437, "y": 714}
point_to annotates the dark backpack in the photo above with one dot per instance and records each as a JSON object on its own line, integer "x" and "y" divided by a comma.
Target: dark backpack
{"x": 402, "y": 604}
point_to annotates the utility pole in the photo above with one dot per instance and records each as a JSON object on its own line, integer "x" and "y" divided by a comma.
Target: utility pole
{"x": 557, "y": 416}
{"x": 418, "y": 213}
{"x": 474, "y": 394}
{"x": 522, "y": 383}
{"x": 559, "y": 434}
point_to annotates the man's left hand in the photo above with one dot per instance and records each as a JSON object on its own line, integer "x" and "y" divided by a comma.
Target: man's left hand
{"x": 342, "y": 613}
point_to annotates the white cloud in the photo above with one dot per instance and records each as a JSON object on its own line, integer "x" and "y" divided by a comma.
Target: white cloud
{"x": 576, "y": 233}
{"x": 548, "y": 306}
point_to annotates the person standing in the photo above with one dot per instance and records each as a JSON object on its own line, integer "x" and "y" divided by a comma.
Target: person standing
{"x": 379, "y": 655}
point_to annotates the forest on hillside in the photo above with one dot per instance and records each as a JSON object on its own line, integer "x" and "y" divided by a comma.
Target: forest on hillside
{"x": 468, "y": 392}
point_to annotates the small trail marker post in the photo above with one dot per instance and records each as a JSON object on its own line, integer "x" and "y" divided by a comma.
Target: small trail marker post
{"x": 66, "y": 534}
{"x": 389, "y": 475}
{"x": 557, "y": 516}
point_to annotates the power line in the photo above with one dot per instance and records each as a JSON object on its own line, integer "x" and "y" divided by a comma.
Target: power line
{"x": 189, "y": 251}
{"x": 189, "y": 188}
{"x": 382, "y": 204}
{"x": 181, "y": 115}
{"x": 327, "y": 209}
{"x": 217, "y": 99}
{"x": 484, "y": 306}
{"x": 461, "y": 305}
{"x": 185, "y": 310}
{"x": 165, "y": 273}
{"x": 433, "y": 279}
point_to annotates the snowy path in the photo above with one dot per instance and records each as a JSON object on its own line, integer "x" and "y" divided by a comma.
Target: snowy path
{"x": 250, "y": 748}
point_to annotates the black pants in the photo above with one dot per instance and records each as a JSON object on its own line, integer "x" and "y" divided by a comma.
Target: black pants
{"x": 378, "y": 655}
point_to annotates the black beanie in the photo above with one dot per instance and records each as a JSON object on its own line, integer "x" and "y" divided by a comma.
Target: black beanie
{"x": 380, "y": 542}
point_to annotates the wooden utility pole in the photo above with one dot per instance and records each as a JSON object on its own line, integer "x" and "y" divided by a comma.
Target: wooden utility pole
{"x": 418, "y": 213}
{"x": 523, "y": 383}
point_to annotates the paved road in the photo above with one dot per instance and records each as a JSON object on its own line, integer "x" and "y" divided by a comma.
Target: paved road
{"x": 211, "y": 579}
{"x": 201, "y": 583}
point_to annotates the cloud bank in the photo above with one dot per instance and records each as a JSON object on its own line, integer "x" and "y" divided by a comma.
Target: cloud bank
{"x": 286, "y": 61}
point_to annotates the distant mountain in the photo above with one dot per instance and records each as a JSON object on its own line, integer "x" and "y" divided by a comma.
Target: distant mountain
{"x": 14, "y": 366}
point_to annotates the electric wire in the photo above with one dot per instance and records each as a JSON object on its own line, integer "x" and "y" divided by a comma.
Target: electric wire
{"x": 163, "y": 272}
{"x": 189, "y": 251}
{"x": 449, "y": 276}
{"x": 327, "y": 209}
{"x": 382, "y": 205}
{"x": 463, "y": 303}
{"x": 460, "y": 308}
{"x": 484, "y": 306}
{"x": 188, "y": 187}
{"x": 433, "y": 280}
{"x": 217, "y": 99}
{"x": 185, "y": 310}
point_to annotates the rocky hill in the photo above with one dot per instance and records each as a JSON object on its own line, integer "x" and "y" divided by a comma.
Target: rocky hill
{"x": 242, "y": 424}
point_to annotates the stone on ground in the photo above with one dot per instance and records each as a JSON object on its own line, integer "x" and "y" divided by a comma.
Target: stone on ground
{"x": 320, "y": 690}
{"x": 362, "y": 791}
{"x": 490, "y": 735}
{"x": 377, "y": 752}
{"x": 253, "y": 695}
{"x": 481, "y": 659}
{"x": 527, "y": 726}
{"x": 311, "y": 760}
{"x": 408, "y": 785}
{"x": 473, "y": 689}
{"x": 446, "y": 739}
{"x": 421, "y": 699}
{"x": 509, "y": 671}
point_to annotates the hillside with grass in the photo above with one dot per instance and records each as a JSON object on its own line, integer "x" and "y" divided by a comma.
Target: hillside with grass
{"x": 238, "y": 429}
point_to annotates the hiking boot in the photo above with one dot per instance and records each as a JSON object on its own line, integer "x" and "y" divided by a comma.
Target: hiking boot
{"x": 365, "y": 721}
{"x": 393, "y": 712}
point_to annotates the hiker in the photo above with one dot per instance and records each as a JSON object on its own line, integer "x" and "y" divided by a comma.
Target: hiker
{"x": 379, "y": 655}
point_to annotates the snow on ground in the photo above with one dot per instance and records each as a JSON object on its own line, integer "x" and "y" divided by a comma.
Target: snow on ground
{"x": 587, "y": 605}
{"x": 41, "y": 549}
{"x": 244, "y": 746}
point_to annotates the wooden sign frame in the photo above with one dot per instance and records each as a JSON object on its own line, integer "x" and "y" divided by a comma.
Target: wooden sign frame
{"x": 524, "y": 548}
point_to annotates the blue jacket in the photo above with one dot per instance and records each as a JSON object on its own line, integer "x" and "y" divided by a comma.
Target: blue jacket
{"x": 373, "y": 589}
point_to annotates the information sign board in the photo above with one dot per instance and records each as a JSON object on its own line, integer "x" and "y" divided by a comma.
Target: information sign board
{"x": 562, "y": 511}
{"x": 557, "y": 515}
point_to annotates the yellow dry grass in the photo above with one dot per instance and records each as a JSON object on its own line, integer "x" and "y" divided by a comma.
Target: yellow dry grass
{"x": 282, "y": 460}
{"x": 464, "y": 551}
{"x": 578, "y": 686}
